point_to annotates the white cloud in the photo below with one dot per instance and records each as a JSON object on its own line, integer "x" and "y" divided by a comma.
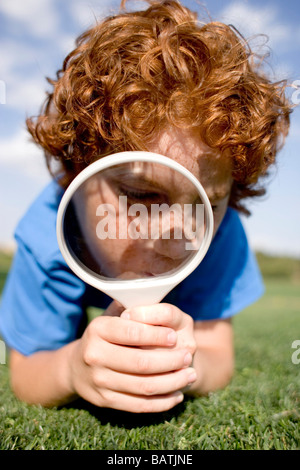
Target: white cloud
{"x": 26, "y": 94}
{"x": 85, "y": 13}
{"x": 19, "y": 153}
{"x": 23, "y": 174}
{"x": 24, "y": 66}
{"x": 38, "y": 17}
{"x": 40, "y": 46}
{"x": 252, "y": 20}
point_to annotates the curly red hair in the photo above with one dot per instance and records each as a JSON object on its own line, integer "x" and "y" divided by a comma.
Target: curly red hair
{"x": 137, "y": 73}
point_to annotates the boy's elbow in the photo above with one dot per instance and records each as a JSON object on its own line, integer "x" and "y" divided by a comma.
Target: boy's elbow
{"x": 23, "y": 379}
{"x": 16, "y": 366}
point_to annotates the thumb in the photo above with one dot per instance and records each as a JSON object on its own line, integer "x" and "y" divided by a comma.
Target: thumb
{"x": 114, "y": 309}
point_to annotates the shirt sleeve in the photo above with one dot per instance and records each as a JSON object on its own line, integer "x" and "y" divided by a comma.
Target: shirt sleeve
{"x": 41, "y": 306}
{"x": 227, "y": 280}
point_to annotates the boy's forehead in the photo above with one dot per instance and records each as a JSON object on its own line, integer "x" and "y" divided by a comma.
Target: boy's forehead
{"x": 212, "y": 169}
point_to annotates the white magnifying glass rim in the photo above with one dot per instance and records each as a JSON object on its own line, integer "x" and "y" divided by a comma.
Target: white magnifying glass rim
{"x": 133, "y": 291}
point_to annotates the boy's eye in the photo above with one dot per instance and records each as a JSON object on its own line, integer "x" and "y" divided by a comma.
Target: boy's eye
{"x": 142, "y": 195}
{"x": 139, "y": 195}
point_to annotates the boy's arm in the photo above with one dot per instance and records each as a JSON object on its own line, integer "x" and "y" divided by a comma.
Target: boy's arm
{"x": 43, "y": 377}
{"x": 214, "y": 355}
{"x": 112, "y": 365}
{"x": 116, "y": 364}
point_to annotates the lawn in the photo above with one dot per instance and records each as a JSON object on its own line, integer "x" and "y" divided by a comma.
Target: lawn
{"x": 260, "y": 409}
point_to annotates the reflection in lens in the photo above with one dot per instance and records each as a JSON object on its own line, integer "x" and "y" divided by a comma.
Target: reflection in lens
{"x": 135, "y": 220}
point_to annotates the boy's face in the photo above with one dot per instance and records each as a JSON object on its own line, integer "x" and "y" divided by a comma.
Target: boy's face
{"x": 123, "y": 256}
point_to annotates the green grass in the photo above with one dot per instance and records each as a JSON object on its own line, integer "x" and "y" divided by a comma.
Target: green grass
{"x": 279, "y": 267}
{"x": 5, "y": 262}
{"x": 260, "y": 409}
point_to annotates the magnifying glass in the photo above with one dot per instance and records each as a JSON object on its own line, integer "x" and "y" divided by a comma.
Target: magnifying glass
{"x": 134, "y": 225}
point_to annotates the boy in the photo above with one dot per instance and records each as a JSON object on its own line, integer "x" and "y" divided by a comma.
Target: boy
{"x": 153, "y": 80}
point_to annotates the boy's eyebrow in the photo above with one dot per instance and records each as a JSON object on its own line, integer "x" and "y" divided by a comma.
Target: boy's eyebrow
{"x": 148, "y": 180}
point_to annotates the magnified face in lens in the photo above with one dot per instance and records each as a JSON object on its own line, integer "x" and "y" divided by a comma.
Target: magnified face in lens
{"x": 135, "y": 220}
{"x": 142, "y": 219}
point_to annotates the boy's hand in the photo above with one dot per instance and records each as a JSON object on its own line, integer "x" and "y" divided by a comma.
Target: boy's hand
{"x": 134, "y": 364}
{"x": 166, "y": 315}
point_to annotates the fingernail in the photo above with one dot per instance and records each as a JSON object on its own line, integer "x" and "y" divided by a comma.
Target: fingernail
{"x": 187, "y": 359}
{"x": 172, "y": 337}
{"x": 125, "y": 315}
{"x": 192, "y": 377}
{"x": 179, "y": 397}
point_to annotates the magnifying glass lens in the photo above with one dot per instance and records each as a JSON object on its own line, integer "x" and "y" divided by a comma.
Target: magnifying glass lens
{"x": 134, "y": 220}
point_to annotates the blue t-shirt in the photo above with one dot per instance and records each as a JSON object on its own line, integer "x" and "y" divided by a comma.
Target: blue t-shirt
{"x": 44, "y": 303}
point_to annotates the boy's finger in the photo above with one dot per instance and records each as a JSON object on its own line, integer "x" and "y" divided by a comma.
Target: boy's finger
{"x": 158, "y": 314}
{"x": 147, "y": 385}
{"x": 146, "y": 362}
{"x": 133, "y": 333}
{"x": 142, "y": 404}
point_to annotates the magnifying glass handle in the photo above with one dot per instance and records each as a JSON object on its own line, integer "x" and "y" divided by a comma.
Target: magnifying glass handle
{"x": 141, "y": 295}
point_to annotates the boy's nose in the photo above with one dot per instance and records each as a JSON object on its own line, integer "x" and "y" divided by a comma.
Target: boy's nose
{"x": 169, "y": 255}
{"x": 175, "y": 249}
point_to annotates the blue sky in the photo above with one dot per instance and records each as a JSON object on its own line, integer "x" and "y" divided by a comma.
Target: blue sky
{"x": 36, "y": 35}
